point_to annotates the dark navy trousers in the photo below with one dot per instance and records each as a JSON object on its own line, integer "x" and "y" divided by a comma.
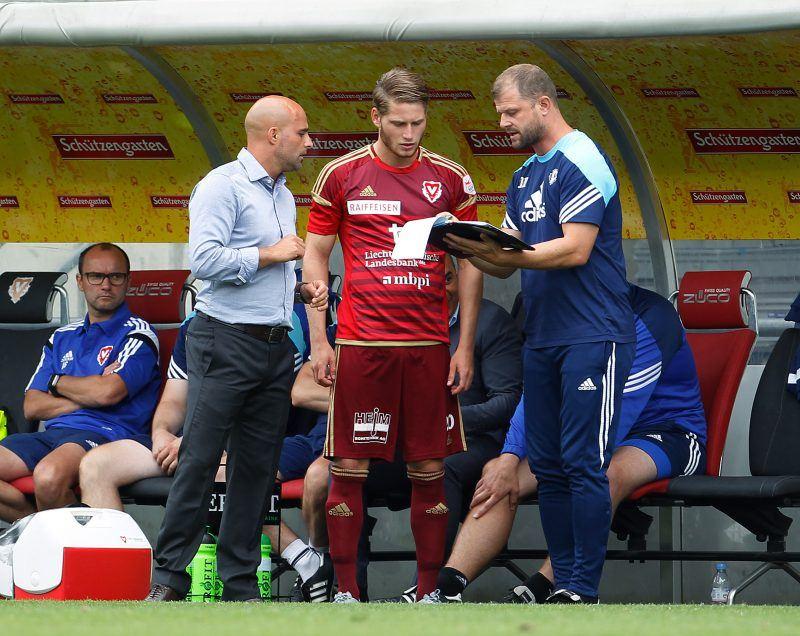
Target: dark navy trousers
{"x": 572, "y": 405}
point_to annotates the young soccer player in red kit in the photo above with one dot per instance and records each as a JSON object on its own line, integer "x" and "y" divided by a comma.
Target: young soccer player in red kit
{"x": 394, "y": 384}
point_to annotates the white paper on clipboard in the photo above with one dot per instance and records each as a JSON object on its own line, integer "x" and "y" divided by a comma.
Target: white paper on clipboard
{"x": 412, "y": 240}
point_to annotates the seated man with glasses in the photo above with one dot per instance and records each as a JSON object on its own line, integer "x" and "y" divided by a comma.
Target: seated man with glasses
{"x": 97, "y": 381}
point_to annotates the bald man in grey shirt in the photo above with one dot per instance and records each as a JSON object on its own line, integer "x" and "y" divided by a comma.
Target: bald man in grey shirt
{"x": 243, "y": 243}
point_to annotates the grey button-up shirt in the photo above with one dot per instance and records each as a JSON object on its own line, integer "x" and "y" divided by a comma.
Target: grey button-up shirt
{"x": 235, "y": 209}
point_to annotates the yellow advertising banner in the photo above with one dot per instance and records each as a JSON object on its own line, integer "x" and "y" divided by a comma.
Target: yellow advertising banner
{"x": 92, "y": 148}
{"x": 333, "y": 82}
{"x": 719, "y": 121}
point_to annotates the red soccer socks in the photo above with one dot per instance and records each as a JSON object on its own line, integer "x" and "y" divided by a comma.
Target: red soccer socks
{"x": 428, "y": 525}
{"x": 345, "y": 515}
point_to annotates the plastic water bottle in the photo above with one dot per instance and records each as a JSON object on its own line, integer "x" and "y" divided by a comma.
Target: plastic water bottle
{"x": 721, "y": 587}
{"x": 204, "y": 571}
{"x": 264, "y": 570}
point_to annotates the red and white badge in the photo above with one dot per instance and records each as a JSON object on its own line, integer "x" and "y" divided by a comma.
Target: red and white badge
{"x": 103, "y": 354}
{"x": 432, "y": 190}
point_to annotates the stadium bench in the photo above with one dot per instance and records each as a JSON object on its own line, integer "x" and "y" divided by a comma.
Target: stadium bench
{"x": 158, "y": 296}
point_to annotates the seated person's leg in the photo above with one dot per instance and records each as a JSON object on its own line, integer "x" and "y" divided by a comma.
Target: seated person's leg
{"x": 486, "y": 528}
{"x": 658, "y": 452}
{"x": 57, "y": 473}
{"x": 13, "y": 504}
{"x": 315, "y": 493}
{"x": 52, "y": 456}
{"x": 105, "y": 469}
{"x": 461, "y": 473}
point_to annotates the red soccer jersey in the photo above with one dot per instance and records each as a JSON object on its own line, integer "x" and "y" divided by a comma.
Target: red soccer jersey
{"x": 365, "y": 201}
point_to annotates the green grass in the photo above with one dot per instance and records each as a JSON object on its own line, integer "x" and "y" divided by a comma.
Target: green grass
{"x": 32, "y": 618}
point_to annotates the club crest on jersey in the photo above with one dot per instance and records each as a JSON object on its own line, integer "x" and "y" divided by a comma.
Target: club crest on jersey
{"x": 20, "y": 286}
{"x": 534, "y": 206}
{"x": 432, "y": 190}
{"x": 551, "y": 179}
{"x": 469, "y": 186}
{"x": 103, "y": 354}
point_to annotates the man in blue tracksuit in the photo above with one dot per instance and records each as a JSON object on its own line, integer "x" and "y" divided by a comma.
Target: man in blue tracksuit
{"x": 579, "y": 329}
{"x": 661, "y": 434}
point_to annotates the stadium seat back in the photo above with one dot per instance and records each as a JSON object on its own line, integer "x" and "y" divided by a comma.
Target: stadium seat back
{"x": 712, "y": 305}
{"x": 160, "y": 297}
{"x": 27, "y": 297}
{"x": 775, "y": 418}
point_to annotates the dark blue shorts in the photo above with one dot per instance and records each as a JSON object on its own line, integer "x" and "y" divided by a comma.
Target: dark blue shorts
{"x": 674, "y": 451}
{"x": 300, "y": 451}
{"x": 33, "y": 447}
{"x": 144, "y": 439}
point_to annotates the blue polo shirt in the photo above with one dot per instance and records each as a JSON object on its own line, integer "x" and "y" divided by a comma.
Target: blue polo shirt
{"x": 178, "y": 368}
{"x": 573, "y": 183}
{"x": 662, "y": 386}
{"x": 82, "y": 349}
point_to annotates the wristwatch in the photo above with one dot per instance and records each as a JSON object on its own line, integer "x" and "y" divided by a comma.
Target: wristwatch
{"x": 51, "y": 385}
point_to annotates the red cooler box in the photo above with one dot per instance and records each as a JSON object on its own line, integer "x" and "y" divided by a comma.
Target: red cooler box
{"x": 77, "y": 553}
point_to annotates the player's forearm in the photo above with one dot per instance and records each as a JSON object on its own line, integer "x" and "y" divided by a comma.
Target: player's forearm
{"x": 560, "y": 253}
{"x": 39, "y": 405}
{"x": 470, "y": 292}
{"x": 169, "y": 417}
{"x": 493, "y": 270}
{"x": 314, "y": 398}
{"x": 315, "y": 267}
{"x": 93, "y": 391}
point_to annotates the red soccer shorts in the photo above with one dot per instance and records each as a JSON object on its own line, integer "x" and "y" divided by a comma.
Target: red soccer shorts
{"x": 385, "y": 394}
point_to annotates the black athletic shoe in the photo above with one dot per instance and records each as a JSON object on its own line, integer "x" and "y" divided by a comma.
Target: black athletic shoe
{"x": 409, "y": 596}
{"x": 319, "y": 588}
{"x": 566, "y": 597}
{"x": 296, "y": 595}
{"x": 520, "y": 594}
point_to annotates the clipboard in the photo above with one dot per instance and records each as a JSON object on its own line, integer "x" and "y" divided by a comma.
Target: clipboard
{"x": 472, "y": 230}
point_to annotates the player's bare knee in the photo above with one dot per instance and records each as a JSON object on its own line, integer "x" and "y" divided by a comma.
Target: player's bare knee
{"x": 50, "y": 480}
{"x": 90, "y": 470}
{"x": 426, "y": 466}
{"x": 351, "y": 464}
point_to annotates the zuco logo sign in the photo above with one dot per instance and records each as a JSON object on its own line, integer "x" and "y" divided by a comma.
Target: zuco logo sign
{"x": 711, "y": 295}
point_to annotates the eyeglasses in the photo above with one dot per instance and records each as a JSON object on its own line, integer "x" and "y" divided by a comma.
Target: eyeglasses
{"x": 96, "y": 278}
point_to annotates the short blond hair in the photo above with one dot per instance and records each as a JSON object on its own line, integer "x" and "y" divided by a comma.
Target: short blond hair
{"x": 402, "y": 86}
{"x": 530, "y": 81}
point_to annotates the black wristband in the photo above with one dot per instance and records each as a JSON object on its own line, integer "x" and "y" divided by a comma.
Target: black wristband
{"x": 51, "y": 385}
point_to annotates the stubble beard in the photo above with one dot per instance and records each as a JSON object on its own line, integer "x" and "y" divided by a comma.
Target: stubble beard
{"x": 530, "y": 136}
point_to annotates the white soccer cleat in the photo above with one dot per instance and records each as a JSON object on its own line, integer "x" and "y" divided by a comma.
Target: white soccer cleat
{"x": 437, "y": 598}
{"x": 344, "y": 597}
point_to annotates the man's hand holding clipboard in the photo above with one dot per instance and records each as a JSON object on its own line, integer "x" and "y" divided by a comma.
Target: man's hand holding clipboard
{"x": 464, "y": 239}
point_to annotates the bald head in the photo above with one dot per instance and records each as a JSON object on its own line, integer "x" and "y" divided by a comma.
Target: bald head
{"x": 273, "y": 111}
{"x": 277, "y": 134}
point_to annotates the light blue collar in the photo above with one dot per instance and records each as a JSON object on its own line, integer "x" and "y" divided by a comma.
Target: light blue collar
{"x": 255, "y": 171}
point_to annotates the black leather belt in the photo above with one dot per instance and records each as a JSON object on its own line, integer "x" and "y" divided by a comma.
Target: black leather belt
{"x": 272, "y": 335}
